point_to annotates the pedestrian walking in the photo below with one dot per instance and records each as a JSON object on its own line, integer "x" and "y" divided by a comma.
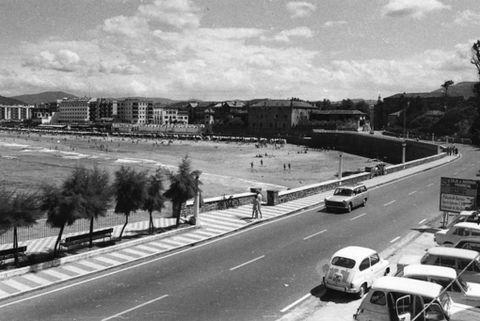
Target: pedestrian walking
{"x": 259, "y": 204}
{"x": 261, "y": 162}
{"x": 289, "y": 166}
{"x": 251, "y": 165}
{"x": 255, "y": 207}
{"x": 284, "y": 167}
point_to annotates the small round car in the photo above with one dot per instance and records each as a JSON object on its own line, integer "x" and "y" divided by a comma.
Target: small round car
{"x": 353, "y": 270}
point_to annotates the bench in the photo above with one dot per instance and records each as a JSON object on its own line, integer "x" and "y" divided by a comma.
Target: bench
{"x": 83, "y": 238}
{"x": 10, "y": 253}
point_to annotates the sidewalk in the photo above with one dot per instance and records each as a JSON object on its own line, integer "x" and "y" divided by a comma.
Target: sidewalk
{"x": 214, "y": 224}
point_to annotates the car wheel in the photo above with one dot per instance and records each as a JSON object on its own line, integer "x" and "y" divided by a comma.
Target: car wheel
{"x": 447, "y": 244}
{"x": 362, "y": 291}
{"x": 364, "y": 203}
{"x": 349, "y": 208}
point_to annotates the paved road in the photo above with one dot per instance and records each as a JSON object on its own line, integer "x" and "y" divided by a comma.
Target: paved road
{"x": 254, "y": 275}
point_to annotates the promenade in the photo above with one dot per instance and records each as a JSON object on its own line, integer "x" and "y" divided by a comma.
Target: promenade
{"x": 213, "y": 225}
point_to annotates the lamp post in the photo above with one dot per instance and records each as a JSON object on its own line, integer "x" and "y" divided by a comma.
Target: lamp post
{"x": 404, "y": 147}
{"x": 340, "y": 161}
{"x": 196, "y": 201}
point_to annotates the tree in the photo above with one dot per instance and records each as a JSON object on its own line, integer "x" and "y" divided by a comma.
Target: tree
{"x": 183, "y": 186}
{"x": 129, "y": 189}
{"x": 475, "y": 60}
{"x": 154, "y": 199}
{"x": 96, "y": 194}
{"x": 447, "y": 84}
{"x": 62, "y": 208}
{"x": 19, "y": 209}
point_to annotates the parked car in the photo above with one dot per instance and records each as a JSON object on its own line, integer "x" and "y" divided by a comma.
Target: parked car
{"x": 347, "y": 197}
{"x": 459, "y": 231}
{"x": 460, "y": 290}
{"x": 468, "y": 244}
{"x": 465, "y": 216}
{"x": 353, "y": 270}
{"x": 465, "y": 262}
{"x": 400, "y": 299}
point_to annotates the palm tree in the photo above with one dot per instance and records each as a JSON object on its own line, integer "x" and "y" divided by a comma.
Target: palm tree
{"x": 154, "y": 199}
{"x": 97, "y": 195}
{"x": 24, "y": 211}
{"x": 129, "y": 189}
{"x": 183, "y": 186}
{"x": 62, "y": 209}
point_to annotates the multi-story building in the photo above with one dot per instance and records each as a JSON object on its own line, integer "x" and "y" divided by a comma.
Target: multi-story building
{"x": 103, "y": 109}
{"x": 15, "y": 112}
{"x": 74, "y": 110}
{"x": 135, "y": 111}
{"x": 277, "y": 116}
{"x": 164, "y": 115}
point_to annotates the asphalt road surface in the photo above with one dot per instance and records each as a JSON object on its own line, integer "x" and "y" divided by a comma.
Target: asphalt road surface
{"x": 257, "y": 274}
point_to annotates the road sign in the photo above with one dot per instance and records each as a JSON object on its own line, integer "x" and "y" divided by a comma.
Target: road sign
{"x": 458, "y": 194}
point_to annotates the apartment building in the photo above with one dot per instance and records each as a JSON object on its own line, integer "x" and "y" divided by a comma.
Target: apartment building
{"x": 15, "y": 112}
{"x": 135, "y": 111}
{"x": 74, "y": 110}
{"x": 164, "y": 115}
{"x": 103, "y": 109}
{"x": 275, "y": 116}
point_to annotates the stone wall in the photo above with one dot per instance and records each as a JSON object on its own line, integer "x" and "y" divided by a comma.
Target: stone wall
{"x": 387, "y": 149}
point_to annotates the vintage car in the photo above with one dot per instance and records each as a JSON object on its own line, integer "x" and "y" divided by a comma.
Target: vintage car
{"x": 353, "y": 270}
{"x": 460, "y": 290}
{"x": 459, "y": 231}
{"x": 347, "y": 197}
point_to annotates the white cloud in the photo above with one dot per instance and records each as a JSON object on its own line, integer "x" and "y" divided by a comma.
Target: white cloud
{"x": 286, "y": 35}
{"x": 62, "y": 60}
{"x": 414, "y": 8}
{"x": 335, "y": 23}
{"x": 299, "y": 9}
{"x": 467, "y": 17}
{"x": 176, "y": 13}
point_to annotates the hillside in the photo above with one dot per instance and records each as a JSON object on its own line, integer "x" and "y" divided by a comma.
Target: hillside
{"x": 44, "y": 97}
{"x": 464, "y": 88}
{"x": 10, "y": 101}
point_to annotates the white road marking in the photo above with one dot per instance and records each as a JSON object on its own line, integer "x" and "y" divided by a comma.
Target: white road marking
{"x": 315, "y": 234}
{"x": 422, "y": 221}
{"x": 389, "y": 203}
{"x": 134, "y": 308}
{"x": 354, "y": 218}
{"x": 412, "y": 192}
{"x": 395, "y": 239}
{"x": 303, "y": 298}
{"x": 431, "y": 184}
{"x": 248, "y": 262}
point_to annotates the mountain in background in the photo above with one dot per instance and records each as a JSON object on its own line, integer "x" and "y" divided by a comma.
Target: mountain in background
{"x": 44, "y": 97}
{"x": 10, "y": 101}
{"x": 464, "y": 88}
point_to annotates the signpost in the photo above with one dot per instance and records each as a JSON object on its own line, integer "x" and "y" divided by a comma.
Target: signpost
{"x": 457, "y": 194}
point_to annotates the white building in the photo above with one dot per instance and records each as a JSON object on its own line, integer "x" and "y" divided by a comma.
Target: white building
{"x": 15, "y": 112}
{"x": 74, "y": 110}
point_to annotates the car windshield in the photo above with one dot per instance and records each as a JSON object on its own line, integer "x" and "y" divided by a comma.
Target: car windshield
{"x": 343, "y": 262}
{"x": 343, "y": 192}
{"x": 445, "y": 301}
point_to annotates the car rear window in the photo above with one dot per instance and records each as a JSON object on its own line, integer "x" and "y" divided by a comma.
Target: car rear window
{"x": 343, "y": 262}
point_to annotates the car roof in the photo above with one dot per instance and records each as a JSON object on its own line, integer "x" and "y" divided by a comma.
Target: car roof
{"x": 355, "y": 252}
{"x": 466, "y": 213}
{"x": 429, "y": 270}
{"x": 471, "y": 225}
{"x": 350, "y": 186}
{"x": 453, "y": 252}
{"x": 404, "y": 285}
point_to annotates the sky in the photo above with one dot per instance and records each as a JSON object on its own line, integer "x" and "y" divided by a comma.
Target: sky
{"x": 236, "y": 49}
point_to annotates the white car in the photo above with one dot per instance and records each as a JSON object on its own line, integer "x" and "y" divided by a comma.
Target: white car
{"x": 460, "y": 291}
{"x": 459, "y": 231}
{"x": 353, "y": 270}
{"x": 347, "y": 198}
